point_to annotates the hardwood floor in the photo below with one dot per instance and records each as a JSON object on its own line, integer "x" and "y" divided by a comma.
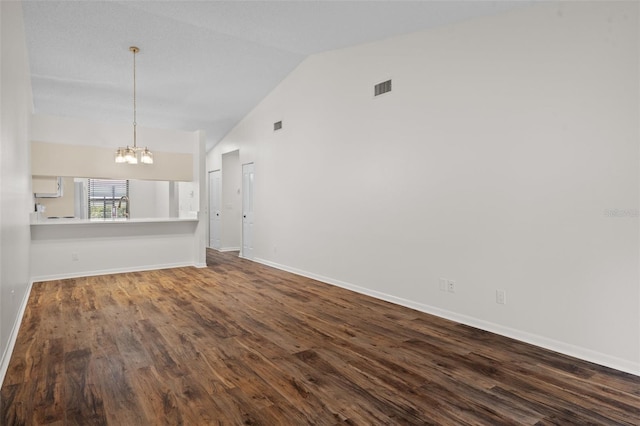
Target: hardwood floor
{"x": 241, "y": 343}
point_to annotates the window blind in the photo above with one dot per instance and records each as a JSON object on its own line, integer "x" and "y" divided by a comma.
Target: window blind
{"x": 104, "y": 195}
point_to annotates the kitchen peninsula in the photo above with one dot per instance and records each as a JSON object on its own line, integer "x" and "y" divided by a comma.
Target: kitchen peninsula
{"x": 74, "y": 247}
{"x": 64, "y": 248}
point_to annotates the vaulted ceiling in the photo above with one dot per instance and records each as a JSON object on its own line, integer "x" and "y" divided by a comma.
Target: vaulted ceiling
{"x": 202, "y": 64}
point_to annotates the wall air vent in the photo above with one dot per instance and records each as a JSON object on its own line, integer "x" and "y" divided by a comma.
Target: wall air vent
{"x": 277, "y": 125}
{"x": 381, "y": 88}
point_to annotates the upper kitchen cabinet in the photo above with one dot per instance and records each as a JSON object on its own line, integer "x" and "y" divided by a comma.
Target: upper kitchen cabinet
{"x": 47, "y": 186}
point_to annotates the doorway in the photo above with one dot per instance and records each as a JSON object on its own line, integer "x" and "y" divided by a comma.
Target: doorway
{"x": 231, "y": 204}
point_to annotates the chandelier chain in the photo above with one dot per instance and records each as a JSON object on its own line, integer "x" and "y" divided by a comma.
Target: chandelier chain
{"x": 133, "y": 154}
{"x": 134, "y": 50}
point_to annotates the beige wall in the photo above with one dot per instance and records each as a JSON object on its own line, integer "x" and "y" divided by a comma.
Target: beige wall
{"x": 56, "y": 159}
{"x": 60, "y": 206}
{"x": 64, "y": 146}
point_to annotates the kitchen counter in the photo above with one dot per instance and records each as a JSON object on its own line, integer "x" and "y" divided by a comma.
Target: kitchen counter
{"x": 68, "y": 247}
{"x": 120, "y": 221}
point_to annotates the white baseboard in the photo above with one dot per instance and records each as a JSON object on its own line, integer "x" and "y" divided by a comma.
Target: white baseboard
{"x": 116, "y": 271}
{"x": 225, "y": 249}
{"x": 6, "y": 356}
{"x": 534, "y": 339}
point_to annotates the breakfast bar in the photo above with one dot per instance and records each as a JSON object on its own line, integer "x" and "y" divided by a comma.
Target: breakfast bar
{"x": 68, "y": 247}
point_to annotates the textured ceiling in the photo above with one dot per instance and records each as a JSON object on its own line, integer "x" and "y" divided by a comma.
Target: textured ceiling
{"x": 203, "y": 64}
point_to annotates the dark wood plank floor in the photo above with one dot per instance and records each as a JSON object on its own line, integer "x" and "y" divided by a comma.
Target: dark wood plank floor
{"x": 241, "y": 343}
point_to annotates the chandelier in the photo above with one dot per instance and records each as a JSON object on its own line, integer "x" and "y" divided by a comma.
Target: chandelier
{"x": 133, "y": 154}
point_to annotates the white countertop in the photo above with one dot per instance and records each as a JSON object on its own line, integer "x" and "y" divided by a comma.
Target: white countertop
{"x": 119, "y": 221}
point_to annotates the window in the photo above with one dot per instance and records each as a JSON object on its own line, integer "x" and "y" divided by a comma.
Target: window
{"x": 104, "y": 196}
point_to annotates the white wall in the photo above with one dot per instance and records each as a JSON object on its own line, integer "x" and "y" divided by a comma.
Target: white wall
{"x": 77, "y": 250}
{"x": 149, "y": 199}
{"x": 506, "y": 157}
{"x": 231, "y": 212}
{"x": 15, "y": 175}
{"x": 200, "y": 194}
{"x": 187, "y": 199}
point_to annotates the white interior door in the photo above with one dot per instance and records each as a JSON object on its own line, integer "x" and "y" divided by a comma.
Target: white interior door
{"x": 247, "y": 210}
{"x": 215, "y": 228}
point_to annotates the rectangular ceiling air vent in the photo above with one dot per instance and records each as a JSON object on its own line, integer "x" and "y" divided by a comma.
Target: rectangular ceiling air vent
{"x": 381, "y": 88}
{"x": 277, "y": 125}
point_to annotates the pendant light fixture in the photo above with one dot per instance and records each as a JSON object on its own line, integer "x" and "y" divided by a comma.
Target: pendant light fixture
{"x": 129, "y": 154}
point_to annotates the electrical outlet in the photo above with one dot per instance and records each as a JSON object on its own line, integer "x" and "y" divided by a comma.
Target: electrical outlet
{"x": 74, "y": 257}
{"x": 501, "y": 297}
{"x": 451, "y": 286}
{"x": 443, "y": 284}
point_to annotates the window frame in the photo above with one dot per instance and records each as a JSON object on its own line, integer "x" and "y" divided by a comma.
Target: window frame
{"x": 103, "y": 196}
